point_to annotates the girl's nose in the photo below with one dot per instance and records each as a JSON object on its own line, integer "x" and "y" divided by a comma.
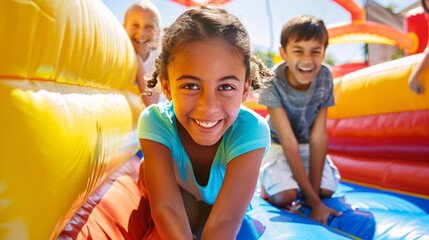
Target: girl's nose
{"x": 141, "y": 34}
{"x": 138, "y": 36}
{"x": 207, "y": 102}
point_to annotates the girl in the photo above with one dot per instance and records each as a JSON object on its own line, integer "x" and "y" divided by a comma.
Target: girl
{"x": 202, "y": 149}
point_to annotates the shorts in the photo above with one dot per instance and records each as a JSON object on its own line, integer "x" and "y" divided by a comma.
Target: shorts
{"x": 275, "y": 174}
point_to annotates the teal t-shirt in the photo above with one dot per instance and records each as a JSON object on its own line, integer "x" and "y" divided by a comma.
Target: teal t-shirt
{"x": 249, "y": 132}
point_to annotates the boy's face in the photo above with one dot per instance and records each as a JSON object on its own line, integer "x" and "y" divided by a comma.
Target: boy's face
{"x": 142, "y": 27}
{"x": 304, "y": 60}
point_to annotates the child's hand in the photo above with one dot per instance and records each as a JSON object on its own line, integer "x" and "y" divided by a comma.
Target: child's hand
{"x": 142, "y": 45}
{"x": 150, "y": 44}
{"x": 415, "y": 84}
{"x": 321, "y": 213}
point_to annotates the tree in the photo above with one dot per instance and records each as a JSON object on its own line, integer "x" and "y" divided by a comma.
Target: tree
{"x": 392, "y": 7}
{"x": 329, "y": 59}
{"x": 263, "y": 56}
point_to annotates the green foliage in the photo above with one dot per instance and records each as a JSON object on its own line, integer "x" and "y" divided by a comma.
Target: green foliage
{"x": 397, "y": 55}
{"x": 329, "y": 59}
{"x": 391, "y": 7}
{"x": 263, "y": 56}
{"x": 266, "y": 57}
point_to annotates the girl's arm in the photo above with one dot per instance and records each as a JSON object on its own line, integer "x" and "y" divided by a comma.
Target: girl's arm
{"x": 320, "y": 212}
{"x": 414, "y": 81}
{"x": 318, "y": 149}
{"x": 234, "y": 197}
{"x": 166, "y": 204}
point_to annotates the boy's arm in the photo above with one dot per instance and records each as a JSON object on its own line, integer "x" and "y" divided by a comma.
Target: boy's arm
{"x": 142, "y": 85}
{"x": 165, "y": 200}
{"x": 290, "y": 146}
{"x": 318, "y": 149}
{"x": 234, "y": 196}
{"x": 414, "y": 81}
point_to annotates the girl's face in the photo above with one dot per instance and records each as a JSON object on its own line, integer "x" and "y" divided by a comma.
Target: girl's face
{"x": 206, "y": 82}
{"x": 141, "y": 26}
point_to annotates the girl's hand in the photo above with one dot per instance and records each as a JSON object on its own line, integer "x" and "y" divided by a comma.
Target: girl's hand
{"x": 415, "y": 84}
{"x": 321, "y": 212}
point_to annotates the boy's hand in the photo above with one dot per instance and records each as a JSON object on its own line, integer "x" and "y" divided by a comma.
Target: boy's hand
{"x": 321, "y": 212}
{"x": 415, "y": 84}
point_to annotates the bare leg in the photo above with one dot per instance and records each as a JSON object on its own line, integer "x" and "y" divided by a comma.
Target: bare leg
{"x": 283, "y": 199}
{"x": 325, "y": 193}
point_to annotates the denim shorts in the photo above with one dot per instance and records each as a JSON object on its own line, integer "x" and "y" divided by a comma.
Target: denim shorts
{"x": 275, "y": 174}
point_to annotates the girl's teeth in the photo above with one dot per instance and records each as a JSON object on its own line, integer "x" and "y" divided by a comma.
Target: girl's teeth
{"x": 206, "y": 124}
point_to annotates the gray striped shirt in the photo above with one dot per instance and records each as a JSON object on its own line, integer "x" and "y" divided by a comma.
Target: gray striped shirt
{"x": 301, "y": 108}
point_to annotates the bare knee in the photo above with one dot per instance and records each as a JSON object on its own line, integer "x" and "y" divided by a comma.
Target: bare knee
{"x": 325, "y": 193}
{"x": 284, "y": 199}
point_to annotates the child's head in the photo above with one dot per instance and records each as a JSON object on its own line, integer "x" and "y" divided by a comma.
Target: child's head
{"x": 304, "y": 40}
{"x": 142, "y": 24}
{"x": 205, "y": 68}
{"x": 208, "y": 23}
{"x": 304, "y": 28}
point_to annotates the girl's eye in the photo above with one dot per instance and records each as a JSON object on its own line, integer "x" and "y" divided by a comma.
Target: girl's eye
{"x": 226, "y": 87}
{"x": 190, "y": 86}
{"x": 149, "y": 28}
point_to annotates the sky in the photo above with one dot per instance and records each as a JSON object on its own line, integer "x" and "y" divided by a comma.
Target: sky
{"x": 253, "y": 15}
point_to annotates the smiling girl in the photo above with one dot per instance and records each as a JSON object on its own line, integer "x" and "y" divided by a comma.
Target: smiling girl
{"x": 202, "y": 149}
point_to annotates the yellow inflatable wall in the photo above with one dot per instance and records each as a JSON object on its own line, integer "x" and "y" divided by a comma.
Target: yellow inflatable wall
{"x": 67, "y": 117}
{"x": 380, "y": 89}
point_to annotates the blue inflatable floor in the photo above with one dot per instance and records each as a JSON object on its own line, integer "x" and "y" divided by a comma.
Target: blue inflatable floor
{"x": 397, "y": 216}
{"x": 367, "y": 214}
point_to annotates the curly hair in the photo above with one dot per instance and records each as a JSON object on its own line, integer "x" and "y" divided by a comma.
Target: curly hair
{"x": 208, "y": 23}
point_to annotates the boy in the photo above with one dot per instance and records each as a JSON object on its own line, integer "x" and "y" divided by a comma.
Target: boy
{"x": 142, "y": 24}
{"x": 297, "y": 98}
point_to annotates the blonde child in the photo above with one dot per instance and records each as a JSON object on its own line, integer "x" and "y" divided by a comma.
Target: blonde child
{"x": 202, "y": 149}
{"x": 142, "y": 24}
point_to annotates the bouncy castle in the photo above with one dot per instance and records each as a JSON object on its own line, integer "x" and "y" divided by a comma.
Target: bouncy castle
{"x": 69, "y": 111}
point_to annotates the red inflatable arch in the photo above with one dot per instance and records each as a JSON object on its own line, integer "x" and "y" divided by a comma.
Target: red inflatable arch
{"x": 364, "y": 31}
{"x": 191, "y": 3}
